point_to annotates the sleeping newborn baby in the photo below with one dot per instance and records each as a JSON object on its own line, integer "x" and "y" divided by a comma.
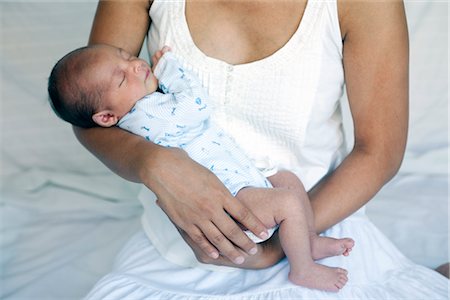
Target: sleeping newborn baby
{"x": 106, "y": 86}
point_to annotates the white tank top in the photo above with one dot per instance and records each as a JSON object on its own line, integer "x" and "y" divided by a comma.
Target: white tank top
{"x": 285, "y": 106}
{"x": 283, "y": 109}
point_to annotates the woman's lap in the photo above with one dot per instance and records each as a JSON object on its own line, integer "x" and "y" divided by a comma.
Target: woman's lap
{"x": 377, "y": 270}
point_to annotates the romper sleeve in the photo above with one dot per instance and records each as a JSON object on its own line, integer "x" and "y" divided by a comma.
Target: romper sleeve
{"x": 185, "y": 101}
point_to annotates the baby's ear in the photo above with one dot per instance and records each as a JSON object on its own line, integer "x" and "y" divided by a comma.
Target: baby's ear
{"x": 105, "y": 118}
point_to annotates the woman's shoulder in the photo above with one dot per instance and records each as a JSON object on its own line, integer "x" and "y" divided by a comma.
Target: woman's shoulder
{"x": 368, "y": 16}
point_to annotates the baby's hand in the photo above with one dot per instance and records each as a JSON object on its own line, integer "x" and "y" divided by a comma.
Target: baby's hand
{"x": 157, "y": 56}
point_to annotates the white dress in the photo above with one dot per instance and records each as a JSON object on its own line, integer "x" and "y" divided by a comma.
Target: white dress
{"x": 283, "y": 110}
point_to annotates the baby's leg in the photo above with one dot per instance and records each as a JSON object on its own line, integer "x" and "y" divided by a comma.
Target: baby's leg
{"x": 321, "y": 247}
{"x": 286, "y": 208}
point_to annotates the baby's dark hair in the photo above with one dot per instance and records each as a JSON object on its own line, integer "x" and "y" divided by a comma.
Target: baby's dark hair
{"x": 70, "y": 100}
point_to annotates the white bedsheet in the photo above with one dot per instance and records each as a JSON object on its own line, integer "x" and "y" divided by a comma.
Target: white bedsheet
{"x": 64, "y": 216}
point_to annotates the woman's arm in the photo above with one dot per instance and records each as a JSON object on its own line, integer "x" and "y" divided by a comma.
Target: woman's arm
{"x": 122, "y": 24}
{"x": 192, "y": 197}
{"x": 376, "y": 73}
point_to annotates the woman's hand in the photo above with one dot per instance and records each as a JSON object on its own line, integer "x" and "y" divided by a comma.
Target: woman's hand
{"x": 269, "y": 253}
{"x": 200, "y": 205}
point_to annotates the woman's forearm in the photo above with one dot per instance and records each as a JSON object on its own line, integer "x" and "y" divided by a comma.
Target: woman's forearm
{"x": 360, "y": 176}
{"x": 375, "y": 57}
{"x": 123, "y": 24}
{"x": 121, "y": 151}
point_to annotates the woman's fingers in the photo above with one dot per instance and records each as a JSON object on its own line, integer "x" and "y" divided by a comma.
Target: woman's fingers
{"x": 225, "y": 235}
{"x": 196, "y": 238}
{"x": 204, "y": 240}
{"x": 200, "y": 253}
{"x": 244, "y": 216}
{"x": 269, "y": 253}
{"x": 226, "y": 248}
{"x": 184, "y": 218}
{"x": 225, "y": 239}
{"x": 232, "y": 234}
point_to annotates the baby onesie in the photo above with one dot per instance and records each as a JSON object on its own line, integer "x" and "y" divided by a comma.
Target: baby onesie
{"x": 178, "y": 115}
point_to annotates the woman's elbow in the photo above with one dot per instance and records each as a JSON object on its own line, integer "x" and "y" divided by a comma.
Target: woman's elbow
{"x": 393, "y": 164}
{"x": 386, "y": 156}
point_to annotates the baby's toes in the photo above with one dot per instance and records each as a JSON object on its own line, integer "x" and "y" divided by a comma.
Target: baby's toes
{"x": 349, "y": 243}
{"x": 339, "y": 285}
{"x": 341, "y": 279}
{"x": 342, "y": 271}
{"x": 347, "y": 246}
{"x": 347, "y": 252}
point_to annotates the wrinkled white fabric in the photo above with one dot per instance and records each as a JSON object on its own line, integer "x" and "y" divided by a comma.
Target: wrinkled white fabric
{"x": 377, "y": 270}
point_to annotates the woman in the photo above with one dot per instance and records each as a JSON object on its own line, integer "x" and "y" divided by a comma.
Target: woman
{"x": 276, "y": 71}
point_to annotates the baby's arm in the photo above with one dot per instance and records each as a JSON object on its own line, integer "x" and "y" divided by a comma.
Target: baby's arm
{"x": 173, "y": 78}
{"x": 189, "y": 96}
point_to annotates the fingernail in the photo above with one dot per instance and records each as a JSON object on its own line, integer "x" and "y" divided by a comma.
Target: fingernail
{"x": 214, "y": 255}
{"x": 253, "y": 251}
{"x": 239, "y": 260}
{"x": 264, "y": 235}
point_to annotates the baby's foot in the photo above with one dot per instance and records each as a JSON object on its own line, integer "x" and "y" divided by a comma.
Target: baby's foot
{"x": 320, "y": 277}
{"x": 322, "y": 247}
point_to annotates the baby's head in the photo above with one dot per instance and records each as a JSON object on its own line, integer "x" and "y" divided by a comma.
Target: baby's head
{"x": 97, "y": 85}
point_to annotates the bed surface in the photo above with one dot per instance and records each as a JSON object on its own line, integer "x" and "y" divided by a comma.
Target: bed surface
{"x": 64, "y": 216}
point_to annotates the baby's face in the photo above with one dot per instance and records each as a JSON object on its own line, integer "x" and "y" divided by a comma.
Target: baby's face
{"x": 127, "y": 78}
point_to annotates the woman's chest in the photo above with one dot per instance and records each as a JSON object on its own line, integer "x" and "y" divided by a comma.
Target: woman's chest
{"x": 269, "y": 88}
{"x": 240, "y": 32}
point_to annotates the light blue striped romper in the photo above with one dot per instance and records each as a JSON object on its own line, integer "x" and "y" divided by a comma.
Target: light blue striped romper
{"x": 179, "y": 116}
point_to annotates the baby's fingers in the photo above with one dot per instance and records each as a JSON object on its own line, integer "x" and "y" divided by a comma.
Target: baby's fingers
{"x": 165, "y": 49}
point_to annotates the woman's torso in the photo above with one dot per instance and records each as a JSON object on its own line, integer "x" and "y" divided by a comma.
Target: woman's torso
{"x": 275, "y": 81}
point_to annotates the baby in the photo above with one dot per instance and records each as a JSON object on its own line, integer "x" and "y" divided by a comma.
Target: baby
{"x": 166, "y": 104}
